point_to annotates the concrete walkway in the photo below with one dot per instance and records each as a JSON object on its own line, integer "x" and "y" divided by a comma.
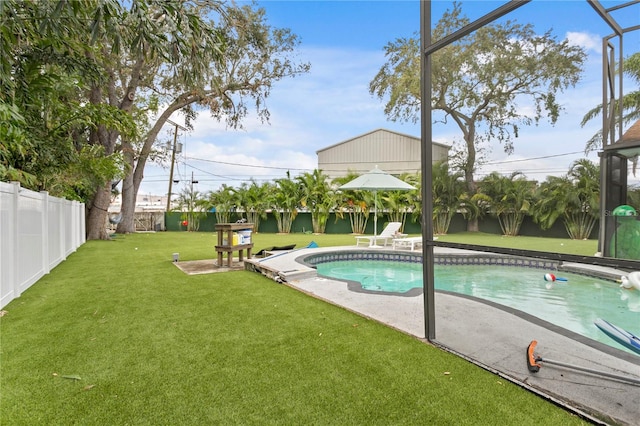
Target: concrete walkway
{"x": 492, "y": 337}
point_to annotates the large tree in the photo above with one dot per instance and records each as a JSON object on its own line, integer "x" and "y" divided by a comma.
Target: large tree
{"x": 85, "y": 71}
{"x": 483, "y": 82}
{"x": 45, "y": 72}
{"x": 134, "y": 45}
{"x": 254, "y": 56}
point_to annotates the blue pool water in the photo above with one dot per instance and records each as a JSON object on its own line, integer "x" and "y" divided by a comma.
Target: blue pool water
{"x": 573, "y": 305}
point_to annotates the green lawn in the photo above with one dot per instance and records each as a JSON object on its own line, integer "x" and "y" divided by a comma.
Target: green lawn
{"x": 557, "y": 245}
{"x": 117, "y": 334}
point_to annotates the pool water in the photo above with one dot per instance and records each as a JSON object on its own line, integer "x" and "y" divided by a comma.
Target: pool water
{"x": 574, "y": 304}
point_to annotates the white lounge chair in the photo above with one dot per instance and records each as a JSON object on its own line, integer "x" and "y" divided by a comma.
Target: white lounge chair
{"x": 408, "y": 242}
{"x": 386, "y": 236}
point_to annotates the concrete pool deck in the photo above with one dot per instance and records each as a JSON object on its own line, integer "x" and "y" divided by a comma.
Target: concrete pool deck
{"x": 492, "y": 337}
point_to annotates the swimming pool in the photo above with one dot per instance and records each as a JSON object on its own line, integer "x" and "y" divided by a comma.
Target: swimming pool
{"x": 573, "y": 305}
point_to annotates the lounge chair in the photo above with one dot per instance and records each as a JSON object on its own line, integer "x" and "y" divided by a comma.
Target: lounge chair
{"x": 386, "y": 236}
{"x": 408, "y": 242}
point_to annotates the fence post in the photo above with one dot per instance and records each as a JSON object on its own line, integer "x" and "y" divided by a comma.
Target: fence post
{"x": 74, "y": 224}
{"x": 45, "y": 234}
{"x": 14, "y": 240}
{"x": 65, "y": 210}
{"x": 78, "y": 212}
{"x": 61, "y": 220}
{"x": 82, "y": 217}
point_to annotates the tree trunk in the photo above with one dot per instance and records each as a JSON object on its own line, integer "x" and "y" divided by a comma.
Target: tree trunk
{"x": 472, "y": 220}
{"x": 469, "y": 167}
{"x": 136, "y": 173}
{"x": 96, "y": 224}
{"x": 129, "y": 194}
{"x": 127, "y": 224}
{"x": 97, "y": 216}
{"x": 98, "y": 209}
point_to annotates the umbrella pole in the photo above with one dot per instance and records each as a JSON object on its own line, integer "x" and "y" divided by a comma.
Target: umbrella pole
{"x": 374, "y": 241}
{"x": 375, "y": 214}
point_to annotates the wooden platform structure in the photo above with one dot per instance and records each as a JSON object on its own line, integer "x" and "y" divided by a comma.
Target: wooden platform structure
{"x": 227, "y": 246}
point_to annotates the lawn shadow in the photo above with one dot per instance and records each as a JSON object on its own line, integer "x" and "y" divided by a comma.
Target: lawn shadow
{"x": 208, "y": 266}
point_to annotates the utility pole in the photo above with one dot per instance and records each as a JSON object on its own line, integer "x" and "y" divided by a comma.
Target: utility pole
{"x": 173, "y": 159}
{"x": 191, "y": 193}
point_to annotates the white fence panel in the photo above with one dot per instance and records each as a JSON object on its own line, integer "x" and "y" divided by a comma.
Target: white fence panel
{"x": 67, "y": 221}
{"x": 37, "y": 233}
{"x": 56, "y": 238}
{"x": 30, "y": 239}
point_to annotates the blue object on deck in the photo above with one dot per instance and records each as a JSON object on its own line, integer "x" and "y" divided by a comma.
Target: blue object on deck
{"x": 618, "y": 334}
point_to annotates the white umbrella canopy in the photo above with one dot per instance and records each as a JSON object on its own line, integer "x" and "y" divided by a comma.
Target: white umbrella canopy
{"x": 377, "y": 180}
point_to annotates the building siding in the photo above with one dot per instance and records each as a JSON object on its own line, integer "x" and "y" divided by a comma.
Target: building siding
{"x": 393, "y": 152}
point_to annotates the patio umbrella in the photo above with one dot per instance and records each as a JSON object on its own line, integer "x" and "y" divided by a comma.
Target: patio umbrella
{"x": 376, "y": 180}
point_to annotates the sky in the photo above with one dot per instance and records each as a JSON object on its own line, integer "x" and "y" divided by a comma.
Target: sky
{"x": 344, "y": 43}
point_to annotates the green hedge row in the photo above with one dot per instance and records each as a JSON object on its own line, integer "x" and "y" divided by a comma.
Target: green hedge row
{"x": 302, "y": 223}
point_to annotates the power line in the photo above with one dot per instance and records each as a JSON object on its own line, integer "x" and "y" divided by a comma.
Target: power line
{"x": 213, "y": 174}
{"x": 532, "y": 158}
{"x": 242, "y": 178}
{"x": 244, "y": 165}
{"x": 370, "y": 162}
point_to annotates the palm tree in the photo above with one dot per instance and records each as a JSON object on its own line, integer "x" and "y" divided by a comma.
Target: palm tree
{"x": 510, "y": 199}
{"x": 285, "y": 203}
{"x": 318, "y": 197}
{"x": 448, "y": 196}
{"x": 355, "y": 203}
{"x": 398, "y": 204}
{"x": 574, "y": 198}
{"x": 630, "y": 105}
{"x": 254, "y": 200}
{"x": 193, "y": 207}
{"x": 222, "y": 201}
{"x": 414, "y": 198}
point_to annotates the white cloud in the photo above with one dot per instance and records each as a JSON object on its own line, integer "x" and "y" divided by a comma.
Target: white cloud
{"x": 590, "y": 42}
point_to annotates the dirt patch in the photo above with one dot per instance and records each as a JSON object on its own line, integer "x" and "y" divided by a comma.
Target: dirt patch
{"x": 208, "y": 266}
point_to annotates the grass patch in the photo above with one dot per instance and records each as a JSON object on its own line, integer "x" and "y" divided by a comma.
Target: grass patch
{"x": 117, "y": 334}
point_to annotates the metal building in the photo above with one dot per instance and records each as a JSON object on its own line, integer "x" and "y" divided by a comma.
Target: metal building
{"x": 393, "y": 152}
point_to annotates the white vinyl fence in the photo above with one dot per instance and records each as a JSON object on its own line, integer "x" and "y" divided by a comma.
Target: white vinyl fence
{"x": 37, "y": 232}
